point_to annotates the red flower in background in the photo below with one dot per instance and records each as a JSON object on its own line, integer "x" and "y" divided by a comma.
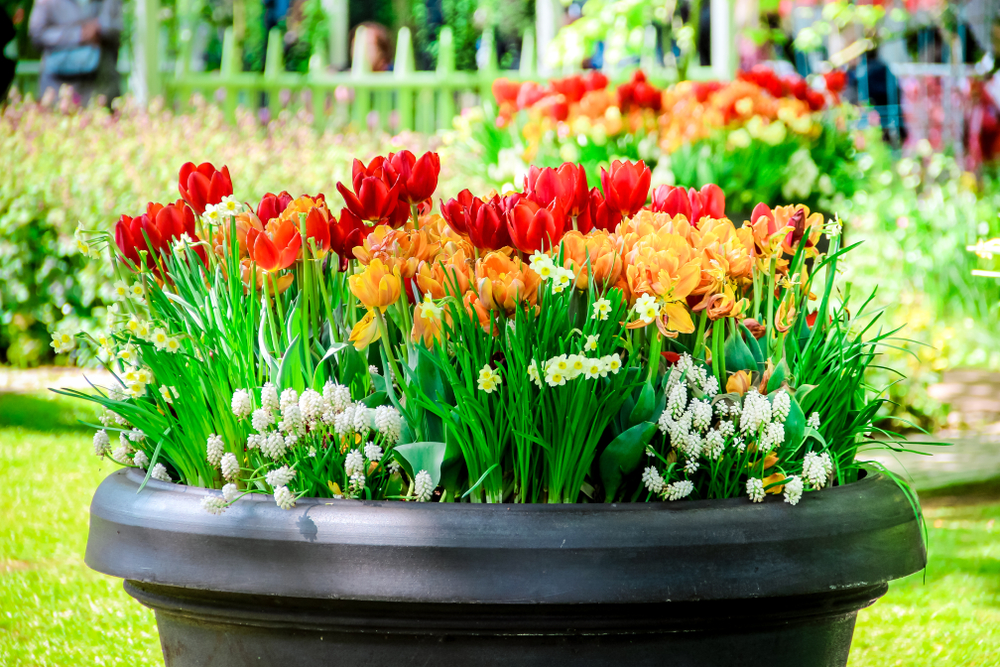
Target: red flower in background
{"x": 572, "y": 88}
{"x": 460, "y": 212}
{"x": 710, "y": 202}
{"x": 505, "y": 91}
{"x": 836, "y": 81}
{"x": 594, "y": 80}
{"x": 345, "y": 235}
{"x": 702, "y": 89}
{"x": 271, "y": 206}
{"x": 553, "y": 106}
{"x": 626, "y": 187}
{"x": 533, "y": 227}
{"x": 488, "y": 229}
{"x": 417, "y": 178}
{"x": 160, "y": 225}
{"x": 203, "y": 185}
{"x": 639, "y": 93}
{"x": 566, "y": 185}
{"x": 530, "y": 93}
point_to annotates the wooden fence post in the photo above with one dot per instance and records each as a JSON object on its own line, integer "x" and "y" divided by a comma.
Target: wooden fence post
{"x": 337, "y": 16}
{"x": 146, "y": 82}
{"x": 528, "y": 68}
{"x": 402, "y": 69}
{"x": 445, "y": 70}
{"x": 229, "y": 71}
{"x": 317, "y": 68}
{"x": 722, "y": 45}
{"x": 274, "y": 67}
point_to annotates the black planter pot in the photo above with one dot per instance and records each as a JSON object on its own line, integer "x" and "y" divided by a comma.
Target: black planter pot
{"x": 393, "y": 583}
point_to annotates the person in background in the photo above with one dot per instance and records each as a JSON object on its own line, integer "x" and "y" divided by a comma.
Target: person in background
{"x": 378, "y": 47}
{"x": 60, "y": 25}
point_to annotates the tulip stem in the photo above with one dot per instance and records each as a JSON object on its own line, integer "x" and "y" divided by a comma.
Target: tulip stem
{"x": 770, "y": 306}
{"x": 654, "y": 355}
{"x": 267, "y": 309}
{"x": 383, "y": 330}
{"x": 699, "y": 337}
{"x": 416, "y": 219}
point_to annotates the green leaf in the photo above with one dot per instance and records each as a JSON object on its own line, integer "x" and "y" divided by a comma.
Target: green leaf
{"x": 375, "y": 400}
{"x": 752, "y": 345}
{"x": 643, "y": 410}
{"x": 290, "y": 372}
{"x": 623, "y": 455}
{"x": 795, "y": 425}
{"x": 779, "y": 375}
{"x": 739, "y": 356}
{"x": 418, "y": 456}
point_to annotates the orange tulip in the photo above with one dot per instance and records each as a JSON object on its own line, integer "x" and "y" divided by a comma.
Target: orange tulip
{"x": 275, "y": 248}
{"x": 365, "y": 332}
{"x": 503, "y": 283}
{"x": 591, "y": 252}
{"x": 444, "y": 276}
{"x": 377, "y": 286}
{"x": 427, "y": 324}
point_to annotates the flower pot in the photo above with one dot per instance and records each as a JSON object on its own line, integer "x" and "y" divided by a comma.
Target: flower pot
{"x": 393, "y": 583}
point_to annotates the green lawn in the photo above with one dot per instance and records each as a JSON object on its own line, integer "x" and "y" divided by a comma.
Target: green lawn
{"x": 54, "y": 611}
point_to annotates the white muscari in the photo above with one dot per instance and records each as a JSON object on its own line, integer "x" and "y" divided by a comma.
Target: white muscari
{"x": 781, "y": 406}
{"x": 362, "y": 419}
{"x": 756, "y": 412}
{"x": 213, "y": 504}
{"x": 678, "y": 490}
{"x": 230, "y": 492}
{"x": 311, "y": 406}
{"x": 284, "y": 498}
{"x": 652, "y": 480}
{"x": 691, "y": 466}
{"x": 214, "y": 449}
{"x": 102, "y": 443}
{"x": 159, "y": 472}
{"x": 229, "y": 465}
{"x": 772, "y": 436}
{"x": 336, "y": 395}
{"x": 289, "y": 397}
{"x": 423, "y": 486}
{"x": 354, "y": 462}
{"x": 241, "y": 404}
{"x": 701, "y": 414}
{"x": 291, "y": 421}
{"x": 135, "y": 435}
{"x": 817, "y": 468}
{"x": 269, "y": 397}
{"x": 261, "y": 419}
{"x": 813, "y": 421}
{"x": 279, "y": 477}
{"x": 121, "y": 453}
{"x": 273, "y": 445}
{"x": 140, "y": 460}
{"x": 677, "y": 401}
{"x": 793, "y": 490}
{"x": 373, "y": 452}
{"x": 715, "y": 445}
{"x": 389, "y": 423}
{"x": 755, "y": 489}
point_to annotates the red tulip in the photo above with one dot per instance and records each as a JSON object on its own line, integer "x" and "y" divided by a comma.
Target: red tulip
{"x": 530, "y": 93}
{"x": 417, "y": 179}
{"x": 345, "y": 235}
{"x": 836, "y": 81}
{"x": 572, "y": 88}
{"x": 160, "y": 225}
{"x": 567, "y": 185}
{"x": 639, "y": 93}
{"x": 693, "y": 204}
{"x": 203, "y": 185}
{"x": 277, "y": 247}
{"x": 505, "y": 91}
{"x": 553, "y": 106}
{"x": 379, "y": 167}
{"x": 626, "y": 187}
{"x": 271, "y": 206}
{"x": 488, "y": 230}
{"x": 762, "y": 210}
{"x": 594, "y": 80}
{"x": 460, "y": 213}
{"x": 598, "y": 215}
{"x": 533, "y": 227}
{"x": 318, "y": 222}
{"x": 372, "y": 198}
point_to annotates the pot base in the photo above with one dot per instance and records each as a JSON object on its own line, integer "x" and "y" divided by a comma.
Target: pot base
{"x": 205, "y": 628}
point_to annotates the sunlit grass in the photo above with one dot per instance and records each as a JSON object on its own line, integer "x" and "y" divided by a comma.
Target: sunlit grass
{"x": 56, "y": 612}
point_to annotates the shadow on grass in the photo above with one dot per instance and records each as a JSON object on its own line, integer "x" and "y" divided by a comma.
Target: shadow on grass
{"x": 46, "y": 412}
{"x": 966, "y": 493}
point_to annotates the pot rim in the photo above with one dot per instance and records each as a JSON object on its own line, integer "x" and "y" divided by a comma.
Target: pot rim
{"x": 506, "y": 553}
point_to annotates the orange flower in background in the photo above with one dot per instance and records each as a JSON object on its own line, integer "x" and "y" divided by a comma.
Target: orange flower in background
{"x": 427, "y": 323}
{"x": 665, "y": 266}
{"x": 477, "y": 311}
{"x": 378, "y": 286}
{"x": 275, "y": 248}
{"x": 275, "y": 284}
{"x": 503, "y": 282}
{"x": 595, "y": 250}
{"x": 801, "y": 225}
{"x": 365, "y": 332}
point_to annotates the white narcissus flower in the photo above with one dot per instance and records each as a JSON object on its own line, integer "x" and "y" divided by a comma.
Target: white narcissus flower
{"x": 591, "y": 343}
{"x": 168, "y": 393}
{"x": 173, "y": 344}
{"x": 230, "y": 466}
{"x": 489, "y": 379}
{"x": 593, "y": 368}
{"x": 602, "y": 308}
{"x": 63, "y": 342}
{"x": 612, "y": 363}
{"x": 120, "y": 290}
{"x": 423, "y": 486}
{"x": 137, "y": 292}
